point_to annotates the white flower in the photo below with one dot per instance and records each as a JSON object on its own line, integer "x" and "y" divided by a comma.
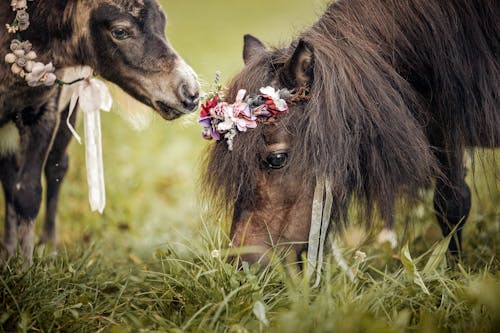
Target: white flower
{"x": 12, "y": 29}
{"x": 275, "y": 96}
{"x": 388, "y": 236}
{"x": 360, "y": 255}
{"x": 10, "y": 58}
{"x": 19, "y": 4}
{"x": 271, "y": 92}
{"x": 215, "y": 254}
{"x": 21, "y": 57}
{"x": 228, "y": 120}
{"x": 29, "y": 66}
{"x": 229, "y": 136}
{"x": 23, "y": 19}
{"x": 17, "y": 70}
{"x": 41, "y": 75}
{"x": 16, "y": 44}
{"x": 241, "y": 94}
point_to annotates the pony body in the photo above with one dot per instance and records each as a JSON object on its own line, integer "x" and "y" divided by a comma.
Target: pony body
{"x": 398, "y": 91}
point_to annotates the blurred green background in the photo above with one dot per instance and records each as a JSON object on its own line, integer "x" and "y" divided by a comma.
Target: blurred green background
{"x": 151, "y": 175}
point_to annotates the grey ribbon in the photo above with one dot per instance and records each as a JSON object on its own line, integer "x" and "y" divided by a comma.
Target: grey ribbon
{"x": 320, "y": 220}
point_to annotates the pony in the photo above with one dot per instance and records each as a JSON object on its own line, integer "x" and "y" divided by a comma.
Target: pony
{"x": 125, "y": 43}
{"x": 397, "y": 91}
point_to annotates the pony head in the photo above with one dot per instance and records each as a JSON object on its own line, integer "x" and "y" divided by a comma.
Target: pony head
{"x": 272, "y": 206}
{"x": 357, "y": 131}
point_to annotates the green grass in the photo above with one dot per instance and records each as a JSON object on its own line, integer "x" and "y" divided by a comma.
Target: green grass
{"x": 192, "y": 288}
{"x": 154, "y": 262}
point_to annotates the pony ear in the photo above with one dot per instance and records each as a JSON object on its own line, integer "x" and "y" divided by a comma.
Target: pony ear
{"x": 299, "y": 69}
{"x": 252, "y": 47}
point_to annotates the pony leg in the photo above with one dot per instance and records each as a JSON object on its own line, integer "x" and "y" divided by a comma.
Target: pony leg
{"x": 8, "y": 171}
{"x": 36, "y": 139}
{"x": 452, "y": 203}
{"x": 55, "y": 170}
{"x": 26, "y": 235}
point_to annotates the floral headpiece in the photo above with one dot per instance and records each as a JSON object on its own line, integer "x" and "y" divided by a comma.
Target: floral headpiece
{"x": 222, "y": 120}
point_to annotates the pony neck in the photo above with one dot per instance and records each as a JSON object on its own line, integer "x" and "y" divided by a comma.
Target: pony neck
{"x": 57, "y": 32}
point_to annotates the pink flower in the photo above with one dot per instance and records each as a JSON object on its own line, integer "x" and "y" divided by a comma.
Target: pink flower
{"x": 41, "y": 75}
{"x": 222, "y": 119}
{"x": 243, "y": 117}
{"x": 208, "y": 118}
{"x": 218, "y": 112}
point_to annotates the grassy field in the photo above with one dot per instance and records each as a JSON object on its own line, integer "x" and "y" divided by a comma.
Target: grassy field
{"x": 154, "y": 261}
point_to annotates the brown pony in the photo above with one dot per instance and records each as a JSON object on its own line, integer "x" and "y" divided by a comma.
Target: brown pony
{"x": 398, "y": 91}
{"x": 124, "y": 42}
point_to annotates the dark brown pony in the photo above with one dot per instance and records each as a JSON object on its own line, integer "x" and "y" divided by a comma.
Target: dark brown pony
{"x": 398, "y": 91}
{"x": 123, "y": 41}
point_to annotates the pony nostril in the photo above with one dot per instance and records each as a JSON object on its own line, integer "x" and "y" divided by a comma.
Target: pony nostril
{"x": 189, "y": 98}
{"x": 190, "y": 105}
{"x": 195, "y": 96}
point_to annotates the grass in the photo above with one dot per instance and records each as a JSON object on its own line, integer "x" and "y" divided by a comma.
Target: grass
{"x": 193, "y": 288}
{"x": 153, "y": 263}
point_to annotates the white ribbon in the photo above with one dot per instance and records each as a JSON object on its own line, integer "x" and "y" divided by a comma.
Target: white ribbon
{"x": 92, "y": 96}
{"x": 320, "y": 220}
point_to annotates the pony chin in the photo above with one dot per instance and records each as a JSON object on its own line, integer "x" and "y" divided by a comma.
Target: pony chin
{"x": 9, "y": 139}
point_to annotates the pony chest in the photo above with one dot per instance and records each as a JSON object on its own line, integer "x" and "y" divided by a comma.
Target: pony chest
{"x": 19, "y": 102}
{"x": 19, "y": 98}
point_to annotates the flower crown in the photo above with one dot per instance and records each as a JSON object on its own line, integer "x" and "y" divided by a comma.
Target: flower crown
{"x": 222, "y": 120}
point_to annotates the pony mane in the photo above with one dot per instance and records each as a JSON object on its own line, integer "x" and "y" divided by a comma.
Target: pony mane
{"x": 383, "y": 79}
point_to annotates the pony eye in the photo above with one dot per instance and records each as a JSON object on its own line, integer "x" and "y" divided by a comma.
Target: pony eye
{"x": 277, "y": 160}
{"x": 120, "y": 33}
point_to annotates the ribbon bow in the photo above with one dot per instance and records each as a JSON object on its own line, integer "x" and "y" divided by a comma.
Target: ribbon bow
{"x": 92, "y": 96}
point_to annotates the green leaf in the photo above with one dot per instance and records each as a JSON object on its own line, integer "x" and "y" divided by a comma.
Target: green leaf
{"x": 58, "y": 314}
{"x": 411, "y": 270}
{"x": 4, "y": 317}
{"x": 24, "y": 322}
{"x": 259, "y": 310}
{"x": 74, "y": 313}
{"x": 438, "y": 256}
{"x": 118, "y": 329}
{"x": 402, "y": 319}
{"x": 237, "y": 329}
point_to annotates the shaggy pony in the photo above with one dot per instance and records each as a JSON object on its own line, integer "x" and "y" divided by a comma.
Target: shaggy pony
{"x": 398, "y": 91}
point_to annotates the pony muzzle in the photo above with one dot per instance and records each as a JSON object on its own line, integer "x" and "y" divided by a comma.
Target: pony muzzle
{"x": 181, "y": 92}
